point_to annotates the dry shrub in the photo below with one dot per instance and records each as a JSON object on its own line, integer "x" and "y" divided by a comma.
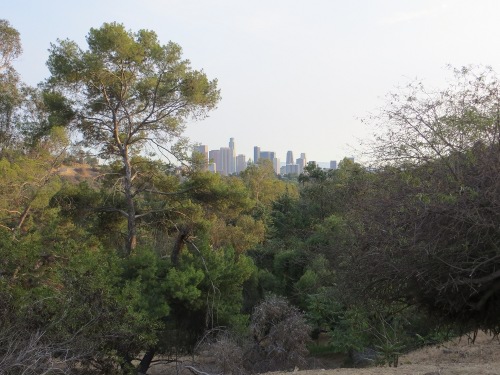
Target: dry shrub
{"x": 29, "y": 354}
{"x": 279, "y": 335}
{"x": 227, "y": 353}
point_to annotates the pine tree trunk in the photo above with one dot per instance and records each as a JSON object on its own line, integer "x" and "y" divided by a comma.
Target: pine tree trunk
{"x": 131, "y": 224}
{"x": 146, "y": 361}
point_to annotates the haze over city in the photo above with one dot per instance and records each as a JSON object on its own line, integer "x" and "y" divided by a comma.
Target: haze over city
{"x": 293, "y": 75}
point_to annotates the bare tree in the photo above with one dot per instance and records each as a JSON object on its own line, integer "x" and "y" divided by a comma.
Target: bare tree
{"x": 425, "y": 228}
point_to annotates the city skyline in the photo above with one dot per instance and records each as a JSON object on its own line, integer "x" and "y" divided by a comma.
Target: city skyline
{"x": 293, "y": 76}
{"x": 227, "y": 161}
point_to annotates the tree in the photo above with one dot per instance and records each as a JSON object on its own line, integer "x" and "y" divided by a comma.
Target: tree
{"x": 130, "y": 91}
{"x": 29, "y": 181}
{"x": 420, "y": 125}
{"x": 10, "y": 45}
{"x": 10, "y": 95}
{"x": 262, "y": 182}
{"x": 426, "y": 226}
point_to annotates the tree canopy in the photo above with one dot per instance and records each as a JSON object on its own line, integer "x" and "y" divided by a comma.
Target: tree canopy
{"x": 128, "y": 91}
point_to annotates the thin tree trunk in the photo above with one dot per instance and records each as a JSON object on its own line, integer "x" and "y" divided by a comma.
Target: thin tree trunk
{"x": 23, "y": 217}
{"x": 131, "y": 224}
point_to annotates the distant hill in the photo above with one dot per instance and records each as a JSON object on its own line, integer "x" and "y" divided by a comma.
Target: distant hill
{"x": 77, "y": 173}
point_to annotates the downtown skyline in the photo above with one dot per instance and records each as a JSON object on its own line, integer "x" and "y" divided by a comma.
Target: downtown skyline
{"x": 293, "y": 76}
{"x": 226, "y": 159}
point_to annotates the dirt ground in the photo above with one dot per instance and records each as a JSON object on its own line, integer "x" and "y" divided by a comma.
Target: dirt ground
{"x": 457, "y": 357}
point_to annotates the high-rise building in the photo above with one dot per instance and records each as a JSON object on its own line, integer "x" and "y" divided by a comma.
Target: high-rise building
{"x": 270, "y": 155}
{"x": 276, "y": 165}
{"x": 289, "y": 158}
{"x": 241, "y": 163}
{"x": 232, "y": 160}
{"x": 214, "y": 159}
{"x": 256, "y": 154}
{"x": 301, "y": 162}
{"x": 201, "y": 149}
{"x": 333, "y": 164}
{"x": 225, "y": 163}
{"x": 292, "y": 169}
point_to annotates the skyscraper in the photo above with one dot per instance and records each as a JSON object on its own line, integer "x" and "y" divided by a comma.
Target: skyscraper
{"x": 241, "y": 163}
{"x": 256, "y": 154}
{"x": 232, "y": 160}
{"x": 289, "y": 158}
{"x": 276, "y": 165}
{"x": 267, "y": 155}
{"x": 301, "y": 162}
{"x": 224, "y": 165}
{"x": 214, "y": 158}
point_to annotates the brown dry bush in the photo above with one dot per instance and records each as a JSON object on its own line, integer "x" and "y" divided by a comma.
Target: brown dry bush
{"x": 279, "y": 335}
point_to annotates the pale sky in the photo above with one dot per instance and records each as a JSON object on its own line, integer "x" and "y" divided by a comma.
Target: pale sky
{"x": 294, "y": 75}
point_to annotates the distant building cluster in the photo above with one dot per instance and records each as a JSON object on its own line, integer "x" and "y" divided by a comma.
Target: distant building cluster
{"x": 226, "y": 162}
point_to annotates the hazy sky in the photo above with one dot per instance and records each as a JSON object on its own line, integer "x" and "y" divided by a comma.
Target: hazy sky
{"x": 294, "y": 75}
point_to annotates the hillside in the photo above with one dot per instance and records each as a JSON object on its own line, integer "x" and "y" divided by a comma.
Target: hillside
{"x": 77, "y": 173}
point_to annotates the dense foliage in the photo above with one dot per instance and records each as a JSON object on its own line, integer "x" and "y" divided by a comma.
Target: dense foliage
{"x": 103, "y": 268}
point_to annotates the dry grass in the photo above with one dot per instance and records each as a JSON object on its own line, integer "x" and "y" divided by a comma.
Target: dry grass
{"x": 457, "y": 357}
{"x": 77, "y": 173}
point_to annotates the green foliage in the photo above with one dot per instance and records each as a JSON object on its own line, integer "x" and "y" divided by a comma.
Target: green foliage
{"x": 10, "y": 90}
{"x": 131, "y": 91}
{"x": 28, "y": 183}
{"x": 263, "y": 184}
{"x": 138, "y": 77}
{"x": 145, "y": 283}
{"x": 10, "y": 43}
{"x": 182, "y": 285}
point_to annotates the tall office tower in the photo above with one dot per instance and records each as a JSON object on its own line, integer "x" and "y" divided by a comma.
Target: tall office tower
{"x": 256, "y": 154}
{"x": 270, "y": 155}
{"x": 225, "y": 161}
{"x": 301, "y": 162}
{"x": 241, "y": 163}
{"x": 201, "y": 149}
{"x": 333, "y": 164}
{"x": 276, "y": 165}
{"x": 292, "y": 169}
{"x": 214, "y": 158}
{"x": 232, "y": 161}
{"x": 289, "y": 158}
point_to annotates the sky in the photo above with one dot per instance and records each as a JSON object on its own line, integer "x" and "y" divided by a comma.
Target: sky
{"x": 294, "y": 75}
